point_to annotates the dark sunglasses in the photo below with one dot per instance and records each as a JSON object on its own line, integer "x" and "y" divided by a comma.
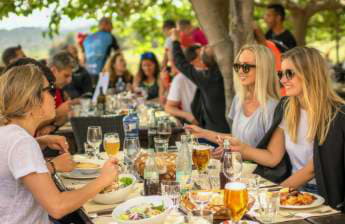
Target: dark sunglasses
{"x": 288, "y": 73}
{"x": 245, "y": 67}
{"x": 147, "y": 55}
{"x": 51, "y": 89}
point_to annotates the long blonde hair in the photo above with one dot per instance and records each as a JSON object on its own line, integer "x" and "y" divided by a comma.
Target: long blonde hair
{"x": 20, "y": 90}
{"x": 319, "y": 99}
{"x": 266, "y": 81}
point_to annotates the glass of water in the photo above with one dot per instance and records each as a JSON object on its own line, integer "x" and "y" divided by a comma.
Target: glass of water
{"x": 268, "y": 205}
{"x": 172, "y": 190}
{"x": 94, "y": 138}
{"x": 131, "y": 148}
{"x": 161, "y": 144}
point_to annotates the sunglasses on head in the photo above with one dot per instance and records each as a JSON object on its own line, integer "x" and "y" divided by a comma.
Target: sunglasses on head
{"x": 245, "y": 67}
{"x": 288, "y": 73}
{"x": 147, "y": 55}
{"x": 50, "y": 88}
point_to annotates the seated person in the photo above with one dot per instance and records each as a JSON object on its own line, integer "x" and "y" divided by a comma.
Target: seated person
{"x": 148, "y": 75}
{"x": 182, "y": 90}
{"x": 28, "y": 193}
{"x": 81, "y": 84}
{"x": 257, "y": 95}
{"x": 310, "y": 128}
{"x": 120, "y": 77}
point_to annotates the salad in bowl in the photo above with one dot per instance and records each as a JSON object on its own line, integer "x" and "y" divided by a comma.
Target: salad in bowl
{"x": 143, "y": 210}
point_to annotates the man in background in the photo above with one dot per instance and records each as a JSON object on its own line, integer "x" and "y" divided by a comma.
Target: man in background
{"x": 12, "y": 54}
{"x": 81, "y": 84}
{"x": 274, "y": 18}
{"x": 182, "y": 90}
{"x": 97, "y": 47}
{"x": 190, "y": 35}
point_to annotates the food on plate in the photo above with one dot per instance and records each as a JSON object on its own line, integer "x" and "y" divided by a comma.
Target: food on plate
{"x": 142, "y": 211}
{"x": 86, "y": 165}
{"x": 294, "y": 197}
{"x": 121, "y": 183}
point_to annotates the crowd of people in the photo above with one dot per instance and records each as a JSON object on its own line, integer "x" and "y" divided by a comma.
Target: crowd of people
{"x": 285, "y": 115}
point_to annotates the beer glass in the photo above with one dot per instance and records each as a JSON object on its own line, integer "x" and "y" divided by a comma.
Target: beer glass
{"x": 94, "y": 138}
{"x": 236, "y": 200}
{"x": 201, "y": 156}
{"x": 111, "y": 144}
{"x": 232, "y": 165}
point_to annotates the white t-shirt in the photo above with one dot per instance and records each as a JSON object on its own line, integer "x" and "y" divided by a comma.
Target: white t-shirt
{"x": 20, "y": 156}
{"x": 182, "y": 90}
{"x": 168, "y": 43}
{"x": 252, "y": 129}
{"x": 300, "y": 153}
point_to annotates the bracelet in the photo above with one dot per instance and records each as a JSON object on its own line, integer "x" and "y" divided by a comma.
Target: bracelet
{"x": 53, "y": 166}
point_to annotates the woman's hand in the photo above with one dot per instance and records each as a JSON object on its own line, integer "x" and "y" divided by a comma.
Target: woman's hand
{"x": 195, "y": 130}
{"x": 218, "y": 153}
{"x": 237, "y": 145}
{"x": 63, "y": 163}
{"x": 109, "y": 171}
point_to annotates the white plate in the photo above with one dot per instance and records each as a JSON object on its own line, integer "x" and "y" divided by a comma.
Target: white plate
{"x": 242, "y": 222}
{"x": 318, "y": 202}
{"x": 77, "y": 175}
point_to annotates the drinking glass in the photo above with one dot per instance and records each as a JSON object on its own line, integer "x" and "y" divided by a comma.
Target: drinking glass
{"x": 268, "y": 205}
{"x": 200, "y": 198}
{"x": 232, "y": 165}
{"x": 164, "y": 128}
{"x": 172, "y": 190}
{"x": 94, "y": 138}
{"x": 89, "y": 150}
{"x": 131, "y": 148}
{"x": 161, "y": 144}
{"x": 201, "y": 156}
{"x": 236, "y": 200}
{"x": 111, "y": 144}
{"x": 200, "y": 217}
{"x": 213, "y": 171}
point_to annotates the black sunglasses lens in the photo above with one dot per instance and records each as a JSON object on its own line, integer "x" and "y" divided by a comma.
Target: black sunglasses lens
{"x": 280, "y": 74}
{"x": 289, "y": 74}
{"x": 245, "y": 68}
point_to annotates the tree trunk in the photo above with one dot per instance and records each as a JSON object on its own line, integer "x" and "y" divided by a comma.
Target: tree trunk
{"x": 300, "y": 20}
{"x": 213, "y": 16}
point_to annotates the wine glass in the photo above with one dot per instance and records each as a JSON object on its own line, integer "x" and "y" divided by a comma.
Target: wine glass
{"x": 131, "y": 147}
{"x": 111, "y": 143}
{"x": 232, "y": 165}
{"x": 94, "y": 138}
{"x": 200, "y": 198}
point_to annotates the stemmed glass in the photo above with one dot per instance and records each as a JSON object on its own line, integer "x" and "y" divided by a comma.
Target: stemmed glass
{"x": 232, "y": 165}
{"x": 131, "y": 147}
{"x": 94, "y": 138}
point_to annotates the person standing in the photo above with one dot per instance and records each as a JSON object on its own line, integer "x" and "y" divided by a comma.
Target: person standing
{"x": 274, "y": 18}
{"x": 97, "y": 47}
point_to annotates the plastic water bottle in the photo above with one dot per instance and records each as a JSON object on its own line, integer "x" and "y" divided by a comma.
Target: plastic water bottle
{"x": 120, "y": 85}
{"x": 183, "y": 162}
{"x": 131, "y": 124}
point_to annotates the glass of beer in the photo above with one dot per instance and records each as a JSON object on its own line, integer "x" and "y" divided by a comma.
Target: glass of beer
{"x": 201, "y": 156}
{"x": 236, "y": 200}
{"x": 111, "y": 144}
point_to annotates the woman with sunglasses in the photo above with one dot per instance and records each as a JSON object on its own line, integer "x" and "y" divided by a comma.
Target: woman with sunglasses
{"x": 148, "y": 75}
{"x": 257, "y": 94}
{"x": 310, "y": 128}
{"x": 27, "y": 191}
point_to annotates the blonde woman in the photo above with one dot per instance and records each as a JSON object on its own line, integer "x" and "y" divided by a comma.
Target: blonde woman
{"x": 257, "y": 94}
{"x": 27, "y": 191}
{"x": 116, "y": 67}
{"x": 311, "y": 131}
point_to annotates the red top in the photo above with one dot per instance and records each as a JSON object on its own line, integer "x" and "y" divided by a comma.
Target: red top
{"x": 58, "y": 97}
{"x": 195, "y": 37}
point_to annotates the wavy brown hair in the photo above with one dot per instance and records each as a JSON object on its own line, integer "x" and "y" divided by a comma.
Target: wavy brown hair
{"x": 318, "y": 99}
{"x": 109, "y": 68}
